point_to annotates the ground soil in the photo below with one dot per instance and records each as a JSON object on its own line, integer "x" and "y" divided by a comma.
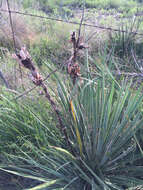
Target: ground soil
{"x": 13, "y": 182}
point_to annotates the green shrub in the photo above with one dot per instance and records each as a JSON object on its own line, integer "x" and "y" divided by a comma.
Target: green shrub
{"x": 101, "y": 126}
{"x": 124, "y": 40}
{"x": 110, "y": 4}
{"x": 57, "y": 5}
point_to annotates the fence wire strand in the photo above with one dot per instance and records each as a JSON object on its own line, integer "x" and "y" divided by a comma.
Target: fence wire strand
{"x": 57, "y": 20}
{"x": 70, "y": 22}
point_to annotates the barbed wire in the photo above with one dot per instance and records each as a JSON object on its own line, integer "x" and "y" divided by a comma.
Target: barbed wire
{"x": 70, "y": 22}
{"x": 57, "y": 20}
{"x": 13, "y": 35}
{"x": 11, "y": 25}
{"x": 14, "y": 42}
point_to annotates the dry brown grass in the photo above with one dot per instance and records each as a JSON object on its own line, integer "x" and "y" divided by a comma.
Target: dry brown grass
{"x": 23, "y": 32}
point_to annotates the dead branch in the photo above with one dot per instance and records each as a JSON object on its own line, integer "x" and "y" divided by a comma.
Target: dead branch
{"x": 131, "y": 74}
{"x": 91, "y": 36}
{"x": 79, "y": 31}
{"x": 4, "y": 80}
{"x": 14, "y": 41}
{"x": 135, "y": 60}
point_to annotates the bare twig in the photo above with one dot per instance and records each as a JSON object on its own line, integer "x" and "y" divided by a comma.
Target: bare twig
{"x": 91, "y": 36}
{"x": 30, "y": 90}
{"x": 10, "y": 19}
{"x": 13, "y": 37}
{"x": 131, "y": 74}
{"x": 4, "y": 80}
{"x": 79, "y": 31}
{"x": 14, "y": 42}
{"x": 135, "y": 60}
{"x": 109, "y": 56}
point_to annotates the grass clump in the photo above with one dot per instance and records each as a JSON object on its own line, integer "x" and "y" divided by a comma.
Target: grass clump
{"x": 53, "y": 45}
{"x": 124, "y": 40}
{"x": 23, "y": 124}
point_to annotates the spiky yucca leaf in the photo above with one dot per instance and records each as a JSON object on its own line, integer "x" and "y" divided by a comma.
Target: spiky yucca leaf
{"x": 107, "y": 121}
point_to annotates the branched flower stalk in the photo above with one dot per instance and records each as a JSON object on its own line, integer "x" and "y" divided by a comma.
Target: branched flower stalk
{"x": 24, "y": 59}
{"x": 72, "y": 64}
{"x": 73, "y": 69}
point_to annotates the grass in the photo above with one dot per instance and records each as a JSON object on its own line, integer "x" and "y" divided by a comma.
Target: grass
{"x": 104, "y": 119}
{"x": 108, "y": 4}
{"x": 23, "y": 124}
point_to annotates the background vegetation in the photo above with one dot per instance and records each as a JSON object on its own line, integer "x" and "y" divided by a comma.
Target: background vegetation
{"x": 104, "y": 121}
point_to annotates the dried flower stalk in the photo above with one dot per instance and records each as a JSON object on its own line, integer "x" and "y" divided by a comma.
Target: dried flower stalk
{"x": 24, "y": 59}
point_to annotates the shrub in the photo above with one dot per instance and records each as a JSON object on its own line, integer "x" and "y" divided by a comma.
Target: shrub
{"x": 101, "y": 126}
{"x": 56, "y": 5}
{"x": 124, "y": 42}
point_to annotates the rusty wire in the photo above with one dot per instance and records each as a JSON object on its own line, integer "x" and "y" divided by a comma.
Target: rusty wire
{"x": 70, "y": 22}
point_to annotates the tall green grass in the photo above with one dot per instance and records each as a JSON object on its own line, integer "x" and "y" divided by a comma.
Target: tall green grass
{"x": 31, "y": 121}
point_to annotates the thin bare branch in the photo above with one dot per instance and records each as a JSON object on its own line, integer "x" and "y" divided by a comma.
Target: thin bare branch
{"x": 14, "y": 42}
{"x": 4, "y": 80}
{"x": 10, "y": 19}
{"x": 91, "y": 36}
{"x": 135, "y": 60}
{"x": 131, "y": 74}
{"x": 30, "y": 90}
{"x": 79, "y": 30}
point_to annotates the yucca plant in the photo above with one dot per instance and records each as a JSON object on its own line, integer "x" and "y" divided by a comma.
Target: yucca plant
{"x": 101, "y": 123}
{"x": 125, "y": 39}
